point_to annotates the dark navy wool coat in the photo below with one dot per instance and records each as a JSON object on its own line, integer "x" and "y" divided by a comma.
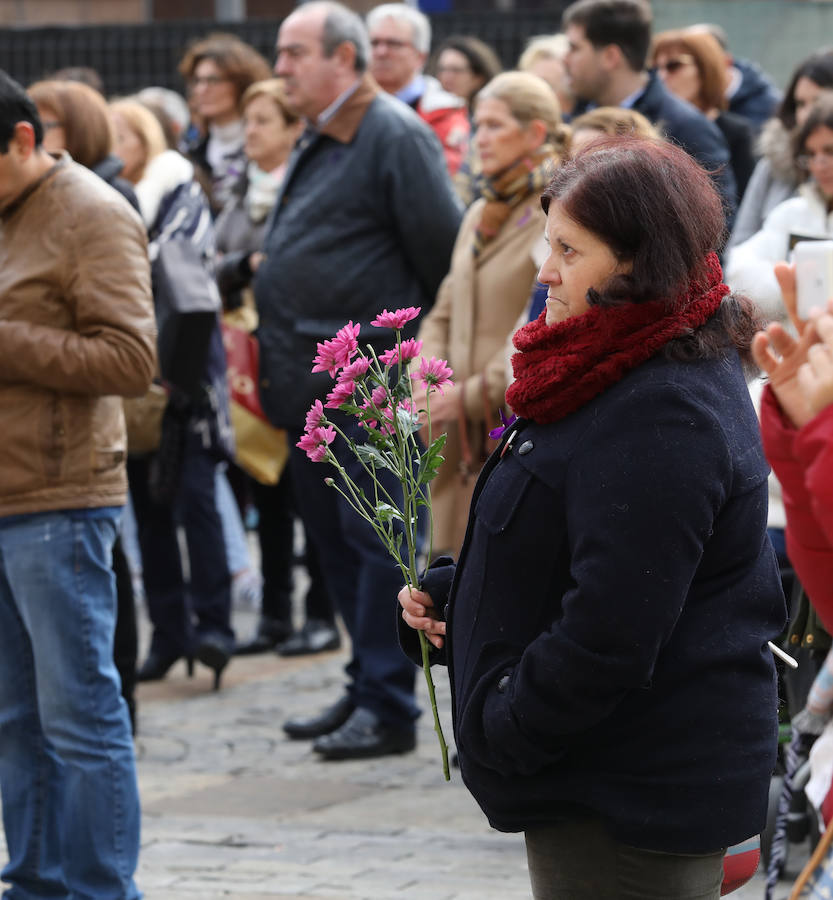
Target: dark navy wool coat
{"x": 609, "y": 615}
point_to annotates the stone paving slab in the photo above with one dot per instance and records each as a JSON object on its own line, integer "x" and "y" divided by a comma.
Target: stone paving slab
{"x": 233, "y": 809}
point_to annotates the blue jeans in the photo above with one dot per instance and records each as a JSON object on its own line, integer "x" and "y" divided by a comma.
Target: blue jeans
{"x": 67, "y": 770}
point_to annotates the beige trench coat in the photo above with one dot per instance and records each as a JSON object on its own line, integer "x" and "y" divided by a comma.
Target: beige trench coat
{"x": 476, "y": 310}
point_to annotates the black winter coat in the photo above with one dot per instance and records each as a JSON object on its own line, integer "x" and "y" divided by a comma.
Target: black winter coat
{"x": 609, "y": 616}
{"x": 359, "y": 226}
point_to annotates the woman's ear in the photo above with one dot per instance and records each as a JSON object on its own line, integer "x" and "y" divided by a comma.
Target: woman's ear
{"x": 536, "y": 134}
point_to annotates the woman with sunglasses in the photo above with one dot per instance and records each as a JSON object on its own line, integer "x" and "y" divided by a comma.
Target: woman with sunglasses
{"x": 749, "y": 266}
{"x": 692, "y": 66}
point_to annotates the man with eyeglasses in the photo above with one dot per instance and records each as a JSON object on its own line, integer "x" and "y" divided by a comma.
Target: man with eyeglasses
{"x": 608, "y": 43}
{"x": 400, "y": 38}
{"x": 366, "y": 219}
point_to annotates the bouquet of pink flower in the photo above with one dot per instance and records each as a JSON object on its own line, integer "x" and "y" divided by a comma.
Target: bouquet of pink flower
{"x": 377, "y": 390}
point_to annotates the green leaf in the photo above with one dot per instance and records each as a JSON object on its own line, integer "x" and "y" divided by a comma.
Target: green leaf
{"x": 372, "y": 455}
{"x": 431, "y": 460}
{"x": 386, "y": 513}
{"x": 408, "y": 422}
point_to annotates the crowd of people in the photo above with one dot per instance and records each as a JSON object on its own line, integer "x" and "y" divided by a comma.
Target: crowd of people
{"x": 597, "y": 242}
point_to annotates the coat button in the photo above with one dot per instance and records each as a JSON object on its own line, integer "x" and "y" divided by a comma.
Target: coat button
{"x": 502, "y": 684}
{"x": 264, "y": 382}
{"x": 525, "y": 447}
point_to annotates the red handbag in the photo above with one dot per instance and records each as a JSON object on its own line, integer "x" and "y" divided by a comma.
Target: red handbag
{"x": 261, "y": 449}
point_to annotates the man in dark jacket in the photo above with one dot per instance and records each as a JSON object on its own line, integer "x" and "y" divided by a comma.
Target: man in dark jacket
{"x": 366, "y": 219}
{"x": 608, "y": 48}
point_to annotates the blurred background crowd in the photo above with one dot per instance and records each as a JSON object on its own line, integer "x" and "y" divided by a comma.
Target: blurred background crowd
{"x": 217, "y": 516}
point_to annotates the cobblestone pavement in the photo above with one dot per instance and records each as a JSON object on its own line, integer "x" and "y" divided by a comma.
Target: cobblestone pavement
{"x": 232, "y": 809}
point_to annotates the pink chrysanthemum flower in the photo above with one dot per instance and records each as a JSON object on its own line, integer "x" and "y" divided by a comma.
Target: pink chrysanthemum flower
{"x": 355, "y": 370}
{"x": 315, "y": 442}
{"x": 379, "y": 396}
{"x": 314, "y": 416}
{"x": 366, "y": 410}
{"x": 396, "y": 320}
{"x": 434, "y": 373}
{"x": 346, "y": 342}
{"x": 337, "y": 353}
{"x": 409, "y": 349}
{"x": 341, "y": 393}
{"x": 326, "y": 359}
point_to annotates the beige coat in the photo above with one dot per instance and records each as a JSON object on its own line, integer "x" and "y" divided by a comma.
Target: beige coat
{"x": 77, "y": 332}
{"x": 477, "y": 307}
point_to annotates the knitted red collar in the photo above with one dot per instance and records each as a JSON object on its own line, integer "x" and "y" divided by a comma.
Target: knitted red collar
{"x": 561, "y": 367}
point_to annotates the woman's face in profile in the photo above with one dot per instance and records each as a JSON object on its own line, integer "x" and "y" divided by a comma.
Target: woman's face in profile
{"x": 578, "y": 260}
{"x": 54, "y": 136}
{"x": 129, "y": 148}
{"x": 500, "y": 138}
{"x": 818, "y": 157}
{"x": 268, "y": 138}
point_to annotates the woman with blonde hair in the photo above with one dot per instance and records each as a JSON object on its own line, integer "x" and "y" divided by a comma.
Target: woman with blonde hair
{"x": 614, "y": 121}
{"x": 520, "y": 139}
{"x": 692, "y": 65}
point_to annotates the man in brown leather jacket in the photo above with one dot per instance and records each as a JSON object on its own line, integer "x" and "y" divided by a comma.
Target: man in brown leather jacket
{"x": 77, "y": 332}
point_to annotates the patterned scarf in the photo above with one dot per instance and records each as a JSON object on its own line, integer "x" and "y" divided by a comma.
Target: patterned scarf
{"x": 529, "y": 175}
{"x": 561, "y": 367}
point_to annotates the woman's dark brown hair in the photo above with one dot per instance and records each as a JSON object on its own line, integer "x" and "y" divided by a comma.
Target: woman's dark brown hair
{"x": 655, "y": 207}
{"x": 820, "y": 116}
{"x": 82, "y": 112}
{"x": 237, "y": 60}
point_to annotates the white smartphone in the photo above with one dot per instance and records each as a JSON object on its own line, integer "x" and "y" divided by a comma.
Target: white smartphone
{"x": 813, "y": 275}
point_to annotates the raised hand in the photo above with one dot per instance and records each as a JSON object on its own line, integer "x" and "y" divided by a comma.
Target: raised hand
{"x": 815, "y": 376}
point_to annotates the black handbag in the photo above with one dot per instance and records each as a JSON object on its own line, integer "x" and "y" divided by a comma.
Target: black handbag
{"x": 187, "y": 303}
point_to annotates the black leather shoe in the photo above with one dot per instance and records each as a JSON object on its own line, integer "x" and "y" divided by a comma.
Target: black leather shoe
{"x": 364, "y": 735}
{"x": 315, "y": 636}
{"x": 326, "y": 721}
{"x": 156, "y": 667}
{"x": 270, "y": 634}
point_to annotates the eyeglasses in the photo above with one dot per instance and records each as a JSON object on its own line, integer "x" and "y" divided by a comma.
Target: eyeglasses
{"x": 807, "y": 160}
{"x": 49, "y": 124}
{"x": 674, "y": 65}
{"x": 389, "y": 43}
{"x": 207, "y": 80}
{"x": 453, "y": 70}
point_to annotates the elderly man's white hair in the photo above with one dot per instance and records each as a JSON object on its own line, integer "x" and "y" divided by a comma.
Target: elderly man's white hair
{"x": 420, "y": 26}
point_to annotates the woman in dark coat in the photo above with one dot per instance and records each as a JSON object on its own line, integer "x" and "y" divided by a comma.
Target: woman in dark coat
{"x": 608, "y": 617}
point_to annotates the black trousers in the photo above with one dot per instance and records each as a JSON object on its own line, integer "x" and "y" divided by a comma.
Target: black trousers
{"x": 182, "y": 611}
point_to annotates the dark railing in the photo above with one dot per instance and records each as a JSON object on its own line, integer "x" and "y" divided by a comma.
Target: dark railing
{"x": 129, "y": 57}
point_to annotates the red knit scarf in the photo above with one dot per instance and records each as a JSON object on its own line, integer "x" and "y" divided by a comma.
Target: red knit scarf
{"x": 561, "y": 367}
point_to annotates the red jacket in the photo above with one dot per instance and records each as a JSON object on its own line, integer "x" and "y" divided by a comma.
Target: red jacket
{"x": 803, "y": 461}
{"x": 447, "y": 117}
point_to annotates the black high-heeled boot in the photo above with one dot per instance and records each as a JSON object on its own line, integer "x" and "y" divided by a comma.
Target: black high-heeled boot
{"x": 156, "y": 667}
{"x": 213, "y": 651}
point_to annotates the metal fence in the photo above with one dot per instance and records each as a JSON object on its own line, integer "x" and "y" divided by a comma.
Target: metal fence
{"x": 129, "y": 57}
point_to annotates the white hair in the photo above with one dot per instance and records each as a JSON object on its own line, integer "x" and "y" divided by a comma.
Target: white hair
{"x": 399, "y": 12}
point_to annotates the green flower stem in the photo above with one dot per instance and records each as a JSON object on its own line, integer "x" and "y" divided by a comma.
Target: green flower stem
{"x": 424, "y": 647}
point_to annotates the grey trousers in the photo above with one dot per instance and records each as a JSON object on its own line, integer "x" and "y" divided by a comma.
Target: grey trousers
{"x": 580, "y": 861}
